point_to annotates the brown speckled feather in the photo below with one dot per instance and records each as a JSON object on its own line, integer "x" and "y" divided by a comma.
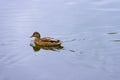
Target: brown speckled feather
{"x": 48, "y": 39}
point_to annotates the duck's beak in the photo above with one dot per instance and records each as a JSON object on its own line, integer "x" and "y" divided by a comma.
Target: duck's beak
{"x": 31, "y": 36}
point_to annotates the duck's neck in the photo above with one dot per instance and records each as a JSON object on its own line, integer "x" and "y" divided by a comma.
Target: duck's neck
{"x": 37, "y": 38}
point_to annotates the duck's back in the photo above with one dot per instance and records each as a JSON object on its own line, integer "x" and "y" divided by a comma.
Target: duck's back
{"x": 49, "y": 39}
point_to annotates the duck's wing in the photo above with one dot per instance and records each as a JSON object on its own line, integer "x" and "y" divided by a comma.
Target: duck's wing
{"x": 49, "y": 39}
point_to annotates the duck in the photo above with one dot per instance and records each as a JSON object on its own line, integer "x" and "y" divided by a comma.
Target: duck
{"x": 45, "y": 41}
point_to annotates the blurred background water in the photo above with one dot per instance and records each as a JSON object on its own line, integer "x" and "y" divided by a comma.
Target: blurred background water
{"x": 89, "y": 30}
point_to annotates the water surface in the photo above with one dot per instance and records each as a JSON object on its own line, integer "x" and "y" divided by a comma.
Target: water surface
{"x": 89, "y": 30}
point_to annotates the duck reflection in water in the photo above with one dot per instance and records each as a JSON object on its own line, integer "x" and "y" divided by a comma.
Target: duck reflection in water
{"x": 46, "y": 43}
{"x": 37, "y": 47}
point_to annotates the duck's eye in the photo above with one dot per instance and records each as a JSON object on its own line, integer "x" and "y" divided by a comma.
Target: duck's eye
{"x": 34, "y": 34}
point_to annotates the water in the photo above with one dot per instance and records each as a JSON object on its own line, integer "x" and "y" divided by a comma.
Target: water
{"x": 89, "y": 30}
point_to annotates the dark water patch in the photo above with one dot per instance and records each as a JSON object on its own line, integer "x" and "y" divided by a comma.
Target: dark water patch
{"x": 81, "y": 52}
{"x": 112, "y": 33}
{"x": 81, "y": 39}
{"x": 116, "y": 40}
{"x": 70, "y": 40}
{"x": 73, "y": 40}
{"x": 72, "y": 50}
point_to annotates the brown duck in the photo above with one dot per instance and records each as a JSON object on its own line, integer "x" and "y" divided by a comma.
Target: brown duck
{"x": 46, "y": 41}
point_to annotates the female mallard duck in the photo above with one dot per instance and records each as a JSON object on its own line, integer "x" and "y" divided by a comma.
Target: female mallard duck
{"x": 46, "y": 41}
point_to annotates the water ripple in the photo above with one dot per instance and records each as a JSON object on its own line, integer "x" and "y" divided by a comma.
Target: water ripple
{"x": 108, "y": 9}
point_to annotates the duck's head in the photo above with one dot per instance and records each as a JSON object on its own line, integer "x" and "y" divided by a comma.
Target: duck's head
{"x": 36, "y": 35}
